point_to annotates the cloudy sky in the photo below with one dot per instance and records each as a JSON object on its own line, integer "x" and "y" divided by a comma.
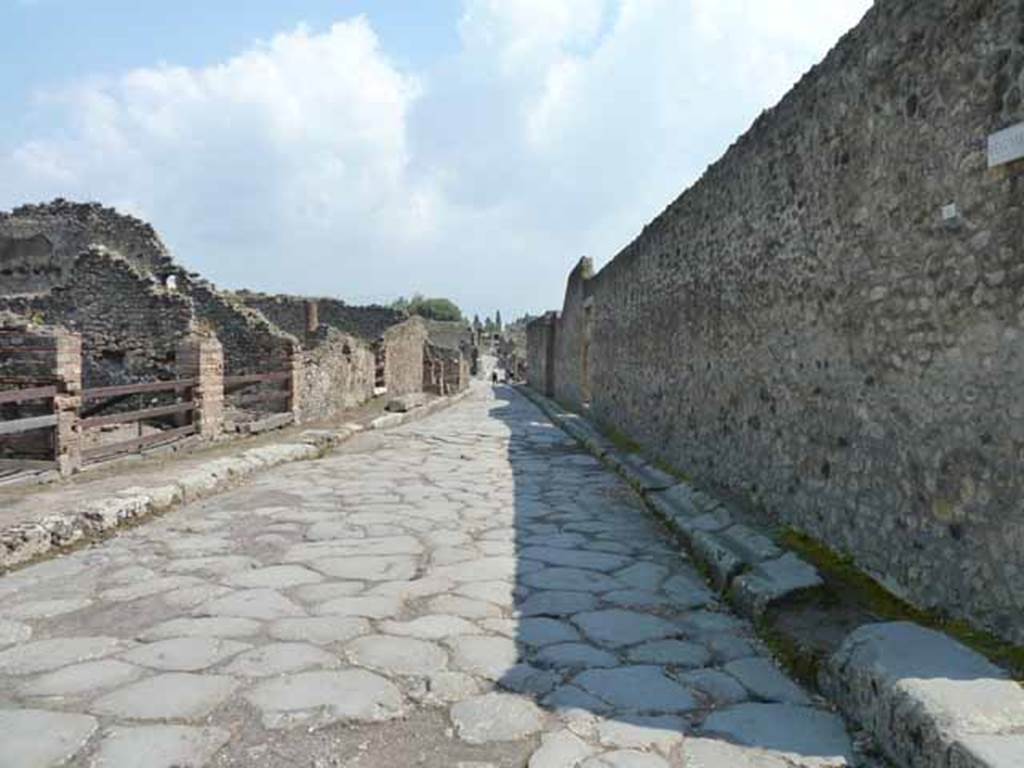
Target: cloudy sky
{"x": 368, "y": 149}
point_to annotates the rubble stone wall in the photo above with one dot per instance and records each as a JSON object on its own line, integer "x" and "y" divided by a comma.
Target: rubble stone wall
{"x": 812, "y": 327}
{"x": 404, "y": 345}
{"x": 337, "y": 373}
{"x": 540, "y": 353}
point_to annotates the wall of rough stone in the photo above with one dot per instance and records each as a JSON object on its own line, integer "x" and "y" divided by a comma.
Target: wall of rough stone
{"x": 404, "y": 344}
{"x": 129, "y": 323}
{"x": 540, "y": 353}
{"x": 39, "y": 244}
{"x": 804, "y": 329}
{"x": 569, "y": 338}
{"x": 337, "y": 373}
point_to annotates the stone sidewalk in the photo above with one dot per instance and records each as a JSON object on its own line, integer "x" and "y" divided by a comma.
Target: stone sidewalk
{"x": 466, "y": 590}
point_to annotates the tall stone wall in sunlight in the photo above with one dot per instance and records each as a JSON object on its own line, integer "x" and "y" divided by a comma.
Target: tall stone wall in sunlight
{"x": 830, "y": 323}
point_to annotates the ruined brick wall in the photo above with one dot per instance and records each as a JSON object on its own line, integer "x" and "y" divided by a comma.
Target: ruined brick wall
{"x": 404, "y": 345}
{"x": 129, "y": 323}
{"x": 286, "y": 312}
{"x": 540, "y": 353}
{"x": 804, "y": 329}
{"x": 337, "y": 373}
{"x": 39, "y": 244}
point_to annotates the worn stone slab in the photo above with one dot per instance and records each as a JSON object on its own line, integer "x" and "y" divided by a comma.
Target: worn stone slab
{"x": 397, "y": 655}
{"x": 82, "y": 678}
{"x": 496, "y": 717}
{"x": 321, "y": 698}
{"x": 557, "y": 603}
{"x": 279, "y": 659}
{"x": 45, "y": 655}
{"x": 184, "y": 654}
{"x": 626, "y": 758}
{"x": 159, "y": 746}
{"x": 919, "y": 692}
{"x": 675, "y": 501}
{"x": 575, "y": 656}
{"x": 13, "y": 632}
{"x": 275, "y": 577}
{"x": 202, "y": 627}
{"x": 676, "y": 653}
{"x": 614, "y": 628}
{"x": 562, "y": 749}
{"x": 643, "y": 475}
{"x": 34, "y": 738}
{"x": 772, "y": 581}
{"x": 252, "y": 604}
{"x": 431, "y": 627}
{"x": 640, "y": 689}
{"x": 765, "y": 681}
{"x": 723, "y": 562}
{"x": 714, "y": 753}
{"x": 488, "y": 657}
{"x": 661, "y": 732}
{"x": 173, "y": 696}
{"x": 988, "y": 751}
{"x": 815, "y": 737}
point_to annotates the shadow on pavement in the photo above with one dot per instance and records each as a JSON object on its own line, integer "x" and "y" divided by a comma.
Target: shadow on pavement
{"x": 618, "y": 634}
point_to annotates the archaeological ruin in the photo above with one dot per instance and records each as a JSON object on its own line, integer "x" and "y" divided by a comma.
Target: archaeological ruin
{"x": 829, "y": 324}
{"x": 162, "y": 353}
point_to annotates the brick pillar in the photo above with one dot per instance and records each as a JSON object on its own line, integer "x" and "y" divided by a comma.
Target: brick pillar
{"x": 202, "y": 358}
{"x": 67, "y": 446}
{"x": 294, "y": 367}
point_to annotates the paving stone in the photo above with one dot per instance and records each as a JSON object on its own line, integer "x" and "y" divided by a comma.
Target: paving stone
{"x": 252, "y": 604}
{"x": 786, "y": 729}
{"x": 398, "y": 655}
{"x": 149, "y": 588}
{"x": 539, "y": 632}
{"x": 452, "y": 686}
{"x": 279, "y": 659}
{"x": 718, "y": 687}
{"x": 44, "y": 655}
{"x": 988, "y": 750}
{"x": 321, "y": 593}
{"x": 641, "y": 689}
{"x": 571, "y": 698}
{"x": 321, "y": 698}
{"x": 711, "y": 753}
{"x": 663, "y": 732}
{"x": 706, "y": 624}
{"x": 557, "y": 603}
{"x": 496, "y": 717}
{"x": 644, "y": 576}
{"x": 626, "y": 758}
{"x": 370, "y": 568}
{"x": 463, "y": 606}
{"x": 637, "y": 598}
{"x": 209, "y": 627}
{"x": 367, "y": 607}
{"x": 729, "y": 648}
{"x": 190, "y": 597}
{"x": 572, "y": 579}
{"x": 615, "y": 628}
{"x": 500, "y": 593}
{"x": 173, "y": 696}
{"x": 562, "y": 749}
{"x": 13, "y": 632}
{"x": 574, "y": 558}
{"x": 524, "y": 678}
{"x": 215, "y": 565}
{"x": 488, "y": 657}
{"x": 765, "y": 681}
{"x": 82, "y": 678}
{"x": 575, "y": 656}
{"x": 434, "y": 627}
{"x": 677, "y": 653}
{"x": 34, "y": 738}
{"x": 275, "y": 577}
{"x": 159, "y": 746}
{"x": 686, "y": 592}
{"x": 45, "y": 609}
{"x": 185, "y": 654}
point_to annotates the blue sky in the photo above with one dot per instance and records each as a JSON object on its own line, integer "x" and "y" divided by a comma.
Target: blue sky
{"x": 470, "y": 148}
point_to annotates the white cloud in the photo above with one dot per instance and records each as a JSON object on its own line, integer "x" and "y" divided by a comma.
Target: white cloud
{"x": 313, "y": 163}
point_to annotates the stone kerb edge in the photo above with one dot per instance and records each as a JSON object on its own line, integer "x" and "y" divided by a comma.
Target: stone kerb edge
{"x": 25, "y": 542}
{"x": 742, "y": 563}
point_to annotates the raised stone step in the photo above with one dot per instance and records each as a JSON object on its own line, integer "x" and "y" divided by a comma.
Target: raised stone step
{"x": 930, "y": 701}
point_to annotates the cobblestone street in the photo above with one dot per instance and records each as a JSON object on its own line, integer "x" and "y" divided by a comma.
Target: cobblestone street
{"x": 468, "y": 590}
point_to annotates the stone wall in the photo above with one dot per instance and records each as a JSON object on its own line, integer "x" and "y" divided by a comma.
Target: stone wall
{"x": 337, "y": 373}
{"x": 540, "y": 353}
{"x": 807, "y": 329}
{"x": 403, "y": 345}
{"x": 129, "y": 323}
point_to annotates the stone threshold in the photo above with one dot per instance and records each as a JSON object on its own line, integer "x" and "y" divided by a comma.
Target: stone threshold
{"x": 93, "y": 519}
{"x": 926, "y": 700}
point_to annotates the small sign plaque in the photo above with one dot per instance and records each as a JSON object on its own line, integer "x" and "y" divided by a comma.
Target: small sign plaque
{"x": 1006, "y": 146}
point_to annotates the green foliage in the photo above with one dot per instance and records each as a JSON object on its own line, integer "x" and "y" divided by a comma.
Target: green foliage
{"x": 432, "y": 309}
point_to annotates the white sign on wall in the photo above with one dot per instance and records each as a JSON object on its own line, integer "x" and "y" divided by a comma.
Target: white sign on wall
{"x": 1006, "y": 146}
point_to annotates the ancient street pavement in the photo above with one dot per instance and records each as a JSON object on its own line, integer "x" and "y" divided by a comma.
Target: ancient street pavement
{"x": 468, "y": 590}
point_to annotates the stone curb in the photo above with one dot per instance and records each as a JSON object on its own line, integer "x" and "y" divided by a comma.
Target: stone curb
{"x": 742, "y": 563}
{"x": 928, "y": 700}
{"x": 27, "y": 541}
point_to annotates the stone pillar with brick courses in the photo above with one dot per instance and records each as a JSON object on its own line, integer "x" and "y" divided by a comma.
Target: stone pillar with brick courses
{"x": 67, "y": 367}
{"x": 202, "y": 358}
{"x": 294, "y": 367}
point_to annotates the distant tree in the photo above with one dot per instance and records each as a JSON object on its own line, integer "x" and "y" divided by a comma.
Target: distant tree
{"x": 476, "y": 322}
{"x": 497, "y": 320}
{"x": 432, "y": 309}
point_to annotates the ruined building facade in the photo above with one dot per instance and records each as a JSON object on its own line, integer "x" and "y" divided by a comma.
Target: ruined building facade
{"x": 830, "y": 323}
